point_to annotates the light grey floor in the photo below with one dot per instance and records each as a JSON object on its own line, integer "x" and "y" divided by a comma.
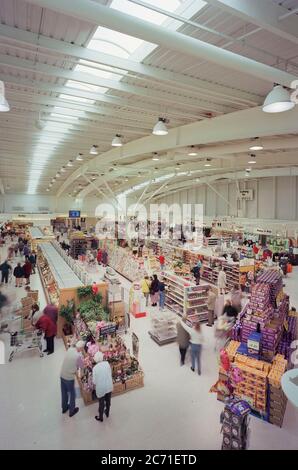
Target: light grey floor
{"x": 173, "y": 411}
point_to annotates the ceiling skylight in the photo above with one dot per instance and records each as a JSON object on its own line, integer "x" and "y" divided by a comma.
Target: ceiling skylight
{"x": 144, "y": 13}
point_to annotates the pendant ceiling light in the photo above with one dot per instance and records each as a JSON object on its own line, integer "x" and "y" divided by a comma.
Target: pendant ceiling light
{"x": 63, "y": 169}
{"x": 70, "y": 163}
{"x": 4, "y": 106}
{"x": 192, "y": 152}
{"x": 278, "y": 100}
{"x": 256, "y": 145}
{"x": 80, "y": 157}
{"x": 155, "y": 157}
{"x": 58, "y": 175}
{"x": 252, "y": 159}
{"x": 160, "y": 127}
{"x": 93, "y": 150}
{"x": 117, "y": 141}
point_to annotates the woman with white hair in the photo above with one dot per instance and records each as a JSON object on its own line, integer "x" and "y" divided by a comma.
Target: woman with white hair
{"x": 73, "y": 361}
{"x": 102, "y": 379}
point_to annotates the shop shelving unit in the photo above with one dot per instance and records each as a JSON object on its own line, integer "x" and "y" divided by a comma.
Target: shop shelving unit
{"x": 210, "y": 273}
{"x": 185, "y": 298}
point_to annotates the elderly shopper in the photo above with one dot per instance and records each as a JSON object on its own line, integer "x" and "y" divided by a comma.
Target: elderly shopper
{"x": 73, "y": 360}
{"x": 102, "y": 379}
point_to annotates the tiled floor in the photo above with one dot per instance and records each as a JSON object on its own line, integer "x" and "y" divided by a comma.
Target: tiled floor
{"x": 173, "y": 411}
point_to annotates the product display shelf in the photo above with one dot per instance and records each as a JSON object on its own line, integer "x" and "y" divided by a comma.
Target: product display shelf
{"x": 59, "y": 281}
{"x": 125, "y": 264}
{"x": 116, "y": 353}
{"x": 210, "y": 271}
{"x": 255, "y": 367}
{"x": 163, "y": 329}
{"x": 185, "y": 298}
{"x": 36, "y": 236}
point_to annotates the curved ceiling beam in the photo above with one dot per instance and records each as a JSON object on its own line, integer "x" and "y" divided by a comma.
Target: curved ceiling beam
{"x": 234, "y": 126}
{"x": 238, "y": 175}
{"x": 127, "y": 24}
{"x": 99, "y": 97}
{"x": 263, "y": 13}
{"x": 218, "y": 151}
{"x": 177, "y": 79}
{"x": 161, "y": 96}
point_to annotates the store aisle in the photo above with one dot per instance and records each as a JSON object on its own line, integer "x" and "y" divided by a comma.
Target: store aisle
{"x": 173, "y": 411}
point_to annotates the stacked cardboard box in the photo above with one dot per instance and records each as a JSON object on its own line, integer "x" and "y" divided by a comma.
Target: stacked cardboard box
{"x": 253, "y": 388}
{"x": 277, "y": 399}
{"x": 274, "y": 280}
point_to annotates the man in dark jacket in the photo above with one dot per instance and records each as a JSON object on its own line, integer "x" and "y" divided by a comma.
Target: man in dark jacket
{"x": 18, "y": 273}
{"x": 5, "y": 268}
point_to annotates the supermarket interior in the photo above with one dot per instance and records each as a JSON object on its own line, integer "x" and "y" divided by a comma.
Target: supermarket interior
{"x": 148, "y": 225}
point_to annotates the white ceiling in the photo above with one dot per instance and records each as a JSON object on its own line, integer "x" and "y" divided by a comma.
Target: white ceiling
{"x": 39, "y": 54}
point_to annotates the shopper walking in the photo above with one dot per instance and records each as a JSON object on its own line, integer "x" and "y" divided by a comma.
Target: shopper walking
{"x": 102, "y": 379}
{"x": 50, "y": 330}
{"x": 27, "y": 271}
{"x": 183, "y": 341}
{"x": 99, "y": 256}
{"x": 26, "y": 251}
{"x": 162, "y": 262}
{"x": 104, "y": 257}
{"x": 197, "y": 272}
{"x": 16, "y": 249}
{"x": 73, "y": 361}
{"x": 145, "y": 286}
{"x": 211, "y": 300}
{"x": 229, "y": 310}
{"x": 154, "y": 289}
{"x": 196, "y": 341}
{"x": 21, "y": 246}
{"x": 222, "y": 281}
{"x": 162, "y": 295}
{"x": 32, "y": 259}
{"x": 236, "y": 296}
{"x": 5, "y": 268}
{"x": 10, "y": 252}
{"x": 18, "y": 273}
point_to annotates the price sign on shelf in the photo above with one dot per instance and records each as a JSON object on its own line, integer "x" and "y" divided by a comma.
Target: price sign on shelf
{"x": 108, "y": 330}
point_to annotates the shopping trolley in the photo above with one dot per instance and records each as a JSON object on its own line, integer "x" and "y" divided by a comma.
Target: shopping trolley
{"x": 24, "y": 341}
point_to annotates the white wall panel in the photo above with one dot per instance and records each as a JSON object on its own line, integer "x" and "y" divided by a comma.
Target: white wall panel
{"x": 221, "y": 204}
{"x": 266, "y": 198}
{"x": 284, "y": 201}
{"x": 251, "y": 206}
{"x": 210, "y": 203}
{"x": 232, "y": 210}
